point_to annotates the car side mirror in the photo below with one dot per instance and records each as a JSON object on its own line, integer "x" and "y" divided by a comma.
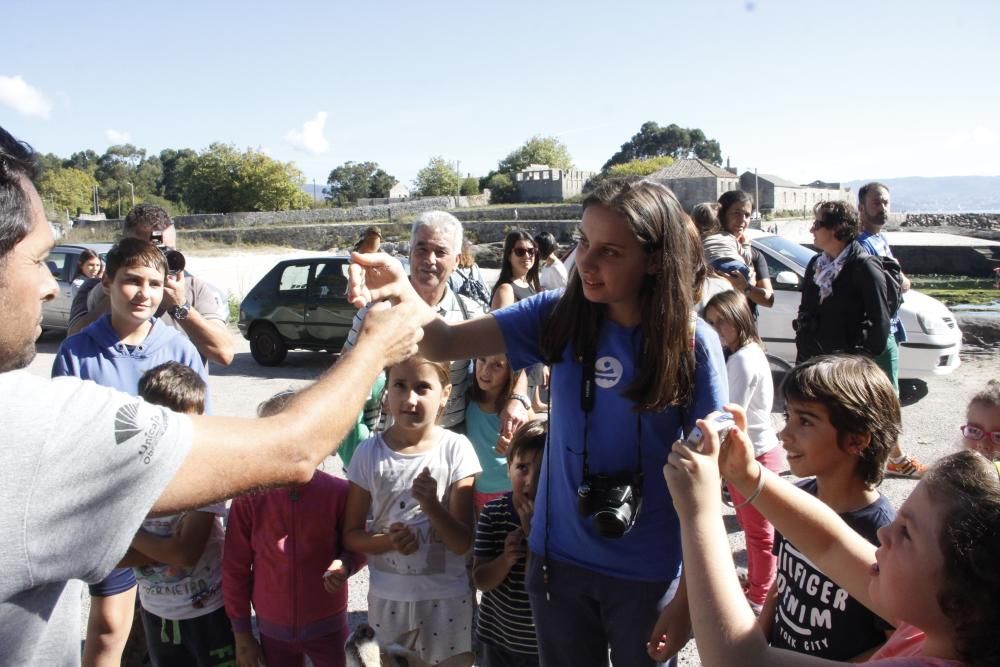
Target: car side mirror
{"x": 787, "y": 278}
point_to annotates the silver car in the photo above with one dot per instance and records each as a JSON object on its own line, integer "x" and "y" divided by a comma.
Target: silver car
{"x": 63, "y": 262}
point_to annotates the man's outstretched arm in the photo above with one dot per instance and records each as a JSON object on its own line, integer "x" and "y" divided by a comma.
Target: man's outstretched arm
{"x": 230, "y": 455}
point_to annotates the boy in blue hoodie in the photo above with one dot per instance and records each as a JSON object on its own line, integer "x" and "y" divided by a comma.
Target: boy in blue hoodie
{"x": 115, "y": 351}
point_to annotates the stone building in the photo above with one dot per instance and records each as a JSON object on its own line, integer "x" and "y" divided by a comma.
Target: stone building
{"x": 778, "y": 195}
{"x": 541, "y": 183}
{"x": 695, "y": 181}
{"x": 399, "y": 191}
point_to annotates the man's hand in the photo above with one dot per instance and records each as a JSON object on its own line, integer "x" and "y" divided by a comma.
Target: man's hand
{"x": 174, "y": 291}
{"x": 377, "y": 277}
{"x": 335, "y": 576}
{"x": 402, "y": 538}
{"x": 248, "y": 653}
{"x": 424, "y": 490}
{"x": 513, "y": 415}
{"x": 396, "y": 330}
{"x": 513, "y": 547}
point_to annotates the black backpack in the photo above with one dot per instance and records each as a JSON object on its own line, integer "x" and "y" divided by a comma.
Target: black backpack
{"x": 893, "y": 283}
{"x": 473, "y": 288}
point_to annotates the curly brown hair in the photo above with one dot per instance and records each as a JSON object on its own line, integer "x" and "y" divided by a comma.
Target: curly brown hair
{"x": 967, "y": 487}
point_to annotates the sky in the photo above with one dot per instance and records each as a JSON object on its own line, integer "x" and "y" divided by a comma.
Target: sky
{"x": 800, "y": 89}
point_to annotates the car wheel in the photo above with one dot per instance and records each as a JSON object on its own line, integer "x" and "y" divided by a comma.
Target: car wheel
{"x": 266, "y": 345}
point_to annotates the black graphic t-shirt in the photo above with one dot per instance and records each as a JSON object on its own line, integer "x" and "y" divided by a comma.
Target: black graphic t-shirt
{"x": 816, "y": 616}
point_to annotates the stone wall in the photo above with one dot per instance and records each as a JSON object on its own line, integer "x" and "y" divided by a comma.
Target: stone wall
{"x": 982, "y": 221}
{"x": 322, "y": 237}
{"x": 522, "y": 213}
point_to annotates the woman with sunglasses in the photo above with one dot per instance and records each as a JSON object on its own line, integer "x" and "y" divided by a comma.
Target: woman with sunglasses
{"x": 519, "y": 273}
{"x": 518, "y": 280}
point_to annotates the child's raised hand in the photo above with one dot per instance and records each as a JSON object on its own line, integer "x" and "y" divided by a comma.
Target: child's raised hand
{"x": 736, "y": 459}
{"x": 335, "y": 576}
{"x": 402, "y": 538}
{"x": 513, "y": 547}
{"x": 424, "y": 489}
{"x": 693, "y": 476}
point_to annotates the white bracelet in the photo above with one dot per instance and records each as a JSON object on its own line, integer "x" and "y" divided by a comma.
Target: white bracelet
{"x": 756, "y": 492}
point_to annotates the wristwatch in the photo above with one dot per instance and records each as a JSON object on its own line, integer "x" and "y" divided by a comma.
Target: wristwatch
{"x": 180, "y": 312}
{"x": 524, "y": 400}
{"x": 748, "y": 289}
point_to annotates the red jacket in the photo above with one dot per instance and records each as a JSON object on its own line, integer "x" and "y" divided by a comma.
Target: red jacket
{"x": 278, "y": 545}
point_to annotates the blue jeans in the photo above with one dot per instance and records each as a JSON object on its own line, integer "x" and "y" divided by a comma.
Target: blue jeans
{"x": 587, "y": 614}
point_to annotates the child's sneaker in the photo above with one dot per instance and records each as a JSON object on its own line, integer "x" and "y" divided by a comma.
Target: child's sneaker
{"x": 905, "y": 466}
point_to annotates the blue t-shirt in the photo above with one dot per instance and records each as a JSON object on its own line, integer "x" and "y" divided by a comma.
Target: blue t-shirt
{"x": 651, "y": 551}
{"x": 482, "y": 429}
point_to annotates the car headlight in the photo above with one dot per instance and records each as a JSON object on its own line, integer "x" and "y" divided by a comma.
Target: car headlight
{"x": 933, "y": 325}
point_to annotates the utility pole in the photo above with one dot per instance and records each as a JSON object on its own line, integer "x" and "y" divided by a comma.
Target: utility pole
{"x": 119, "y": 203}
{"x": 756, "y": 191}
{"x": 132, "y": 188}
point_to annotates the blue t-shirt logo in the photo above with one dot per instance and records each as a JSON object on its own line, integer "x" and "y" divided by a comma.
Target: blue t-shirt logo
{"x": 607, "y": 372}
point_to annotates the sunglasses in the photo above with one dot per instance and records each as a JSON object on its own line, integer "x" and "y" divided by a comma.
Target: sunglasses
{"x": 524, "y": 252}
{"x": 976, "y": 434}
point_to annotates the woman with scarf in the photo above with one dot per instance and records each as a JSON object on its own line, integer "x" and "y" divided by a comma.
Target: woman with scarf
{"x": 844, "y": 307}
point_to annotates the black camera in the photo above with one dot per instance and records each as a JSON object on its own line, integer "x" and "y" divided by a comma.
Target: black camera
{"x": 611, "y": 501}
{"x": 175, "y": 260}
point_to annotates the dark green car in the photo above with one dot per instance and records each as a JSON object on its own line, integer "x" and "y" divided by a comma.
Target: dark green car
{"x": 300, "y": 304}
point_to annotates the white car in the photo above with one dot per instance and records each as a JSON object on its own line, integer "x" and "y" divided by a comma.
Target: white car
{"x": 933, "y": 339}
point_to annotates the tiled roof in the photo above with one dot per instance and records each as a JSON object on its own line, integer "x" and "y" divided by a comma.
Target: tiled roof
{"x": 691, "y": 168}
{"x": 778, "y": 180}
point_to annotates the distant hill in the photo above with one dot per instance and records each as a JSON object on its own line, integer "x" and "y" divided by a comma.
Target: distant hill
{"x": 937, "y": 194}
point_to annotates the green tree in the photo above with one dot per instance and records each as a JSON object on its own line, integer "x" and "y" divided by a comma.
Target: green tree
{"x": 171, "y": 184}
{"x": 652, "y": 141}
{"x": 641, "y": 167}
{"x": 437, "y": 178}
{"x": 470, "y": 186}
{"x": 63, "y": 188}
{"x": 502, "y": 188}
{"x": 537, "y": 150}
{"x": 48, "y": 162}
{"x": 83, "y": 160}
{"x": 352, "y": 181}
{"x": 221, "y": 179}
{"x": 380, "y": 183}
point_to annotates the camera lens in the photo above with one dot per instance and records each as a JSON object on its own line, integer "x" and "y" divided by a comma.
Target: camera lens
{"x": 175, "y": 261}
{"x": 613, "y": 521}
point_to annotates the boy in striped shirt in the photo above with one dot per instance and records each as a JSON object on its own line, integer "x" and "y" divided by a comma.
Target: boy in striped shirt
{"x": 505, "y": 627}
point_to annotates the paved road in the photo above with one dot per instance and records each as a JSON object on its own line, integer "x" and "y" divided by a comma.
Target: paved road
{"x": 930, "y": 423}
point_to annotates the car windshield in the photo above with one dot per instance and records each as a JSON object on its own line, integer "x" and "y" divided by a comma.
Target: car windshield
{"x": 792, "y": 251}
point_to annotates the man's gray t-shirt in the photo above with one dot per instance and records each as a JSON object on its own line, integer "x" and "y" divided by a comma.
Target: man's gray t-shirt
{"x": 83, "y": 465}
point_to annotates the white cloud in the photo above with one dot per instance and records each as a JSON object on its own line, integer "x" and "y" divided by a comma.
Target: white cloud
{"x": 16, "y": 93}
{"x": 310, "y": 138}
{"x": 117, "y": 137}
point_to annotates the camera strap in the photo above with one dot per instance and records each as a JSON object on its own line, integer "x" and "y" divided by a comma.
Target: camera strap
{"x": 588, "y": 385}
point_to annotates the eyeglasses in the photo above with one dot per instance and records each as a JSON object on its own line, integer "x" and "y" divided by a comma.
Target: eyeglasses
{"x": 524, "y": 252}
{"x": 976, "y": 434}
